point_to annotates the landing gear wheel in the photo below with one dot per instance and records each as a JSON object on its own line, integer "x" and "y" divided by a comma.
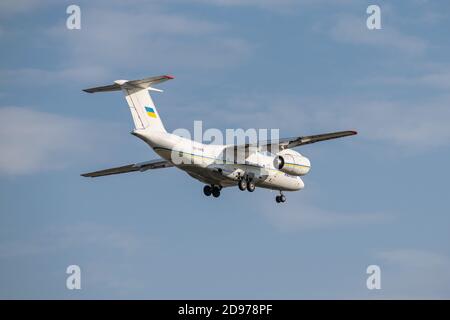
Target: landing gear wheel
{"x": 207, "y": 190}
{"x": 242, "y": 184}
{"x": 280, "y": 198}
{"x": 216, "y": 192}
{"x": 251, "y": 186}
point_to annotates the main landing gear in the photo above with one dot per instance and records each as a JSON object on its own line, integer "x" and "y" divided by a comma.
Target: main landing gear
{"x": 280, "y": 198}
{"x": 242, "y": 184}
{"x": 246, "y": 184}
{"x": 212, "y": 190}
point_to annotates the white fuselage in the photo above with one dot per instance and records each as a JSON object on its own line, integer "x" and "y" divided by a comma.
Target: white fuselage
{"x": 210, "y": 164}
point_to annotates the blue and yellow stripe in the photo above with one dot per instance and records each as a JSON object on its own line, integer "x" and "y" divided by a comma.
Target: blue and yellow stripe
{"x": 150, "y": 112}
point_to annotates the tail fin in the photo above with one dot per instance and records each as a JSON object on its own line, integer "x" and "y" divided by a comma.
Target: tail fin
{"x": 140, "y": 102}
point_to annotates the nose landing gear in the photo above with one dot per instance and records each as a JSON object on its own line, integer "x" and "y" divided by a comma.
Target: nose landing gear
{"x": 280, "y": 198}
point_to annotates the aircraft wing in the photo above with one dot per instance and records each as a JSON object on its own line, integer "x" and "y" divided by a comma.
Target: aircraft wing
{"x": 142, "y": 166}
{"x": 288, "y": 143}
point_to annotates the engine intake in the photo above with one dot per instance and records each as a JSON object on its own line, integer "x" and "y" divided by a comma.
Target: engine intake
{"x": 278, "y": 162}
{"x": 292, "y": 163}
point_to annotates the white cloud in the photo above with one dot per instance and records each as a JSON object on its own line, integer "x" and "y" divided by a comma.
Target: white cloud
{"x": 303, "y": 216}
{"x": 54, "y": 240}
{"x": 32, "y": 141}
{"x": 353, "y": 30}
{"x": 147, "y": 37}
{"x": 416, "y": 126}
{"x": 19, "y": 6}
{"x": 414, "y": 274}
{"x": 274, "y": 5}
{"x": 116, "y": 41}
{"x": 436, "y": 79}
{"x": 45, "y": 77}
{"x": 11, "y": 7}
{"x": 251, "y": 3}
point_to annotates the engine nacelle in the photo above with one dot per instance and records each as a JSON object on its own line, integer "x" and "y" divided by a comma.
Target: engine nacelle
{"x": 292, "y": 162}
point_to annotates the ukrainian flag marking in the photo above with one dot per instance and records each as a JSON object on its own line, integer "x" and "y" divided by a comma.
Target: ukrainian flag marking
{"x": 150, "y": 112}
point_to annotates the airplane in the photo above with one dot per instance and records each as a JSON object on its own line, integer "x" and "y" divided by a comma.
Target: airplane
{"x": 216, "y": 166}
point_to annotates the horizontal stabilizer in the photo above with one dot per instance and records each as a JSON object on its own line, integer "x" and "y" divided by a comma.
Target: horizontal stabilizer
{"x": 130, "y": 84}
{"x": 142, "y": 166}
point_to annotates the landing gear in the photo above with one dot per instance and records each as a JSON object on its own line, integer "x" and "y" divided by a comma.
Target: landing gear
{"x": 207, "y": 190}
{"x": 246, "y": 183}
{"x": 251, "y": 186}
{"x": 216, "y": 191}
{"x": 242, "y": 184}
{"x": 280, "y": 198}
{"x": 212, "y": 190}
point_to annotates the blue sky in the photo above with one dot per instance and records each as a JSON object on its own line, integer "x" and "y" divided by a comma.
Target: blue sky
{"x": 302, "y": 66}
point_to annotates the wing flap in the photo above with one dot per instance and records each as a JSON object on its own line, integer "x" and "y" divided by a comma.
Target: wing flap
{"x": 142, "y": 166}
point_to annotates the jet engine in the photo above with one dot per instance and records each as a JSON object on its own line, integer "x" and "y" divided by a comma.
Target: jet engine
{"x": 292, "y": 162}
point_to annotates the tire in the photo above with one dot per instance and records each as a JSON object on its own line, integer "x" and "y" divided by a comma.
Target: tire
{"x": 251, "y": 186}
{"x": 207, "y": 190}
{"x": 282, "y": 198}
{"x": 277, "y": 199}
{"x": 242, "y": 185}
{"x": 216, "y": 192}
